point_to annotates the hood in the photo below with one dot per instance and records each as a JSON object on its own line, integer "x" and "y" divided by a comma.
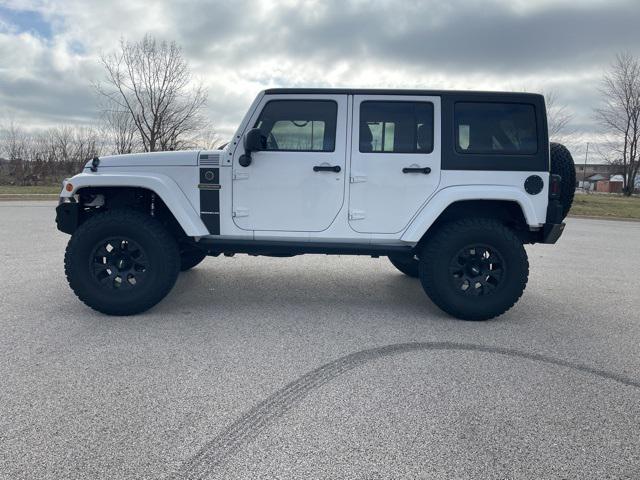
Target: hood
{"x": 151, "y": 159}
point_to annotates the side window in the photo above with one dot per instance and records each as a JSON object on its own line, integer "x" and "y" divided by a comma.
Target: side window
{"x": 396, "y": 127}
{"x": 299, "y": 125}
{"x": 496, "y": 128}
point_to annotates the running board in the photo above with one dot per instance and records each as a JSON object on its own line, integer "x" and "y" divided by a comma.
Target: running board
{"x": 217, "y": 246}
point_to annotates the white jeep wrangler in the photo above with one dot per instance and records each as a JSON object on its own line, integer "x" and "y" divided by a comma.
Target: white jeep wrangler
{"x": 448, "y": 185}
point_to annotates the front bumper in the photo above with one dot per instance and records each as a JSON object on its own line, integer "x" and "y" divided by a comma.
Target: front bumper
{"x": 68, "y": 217}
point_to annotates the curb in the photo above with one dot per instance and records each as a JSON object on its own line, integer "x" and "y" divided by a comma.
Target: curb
{"x": 7, "y": 197}
{"x": 594, "y": 217}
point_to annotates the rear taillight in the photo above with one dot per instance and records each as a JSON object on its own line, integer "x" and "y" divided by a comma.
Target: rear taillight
{"x": 554, "y": 186}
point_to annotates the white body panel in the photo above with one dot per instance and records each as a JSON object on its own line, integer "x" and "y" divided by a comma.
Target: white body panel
{"x": 280, "y": 191}
{"x": 163, "y": 185}
{"x": 182, "y": 158}
{"x": 456, "y": 187}
{"x": 383, "y": 199}
{"x": 286, "y": 200}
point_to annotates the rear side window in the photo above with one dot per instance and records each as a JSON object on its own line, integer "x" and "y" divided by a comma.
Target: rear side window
{"x": 299, "y": 125}
{"x": 396, "y": 127}
{"x": 496, "y": 128}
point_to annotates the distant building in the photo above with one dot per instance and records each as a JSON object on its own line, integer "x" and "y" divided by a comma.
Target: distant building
{"x": 588, "y": 176}
{"x": 609, "y": 186}
{"x": 604, "y": 169}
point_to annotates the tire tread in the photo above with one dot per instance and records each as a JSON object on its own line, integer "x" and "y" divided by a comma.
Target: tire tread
{"x": 142, "y": 221}
{"x": 443, "y": 237}
{"x": 409, "y": 266}
{"x": 562, "y": 164}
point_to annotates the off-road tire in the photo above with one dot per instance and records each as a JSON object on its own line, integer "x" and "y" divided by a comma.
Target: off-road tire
{"x": 562, "y": 164}
{"x": 191, "y": 257}
{"x": 159, "y": 248}
{"x": 407, "y": 264}
{"x": 442, "y": 250}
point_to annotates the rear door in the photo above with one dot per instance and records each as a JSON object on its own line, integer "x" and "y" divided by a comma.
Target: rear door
{"x": 395, "y": 160}
{"x": 297, "y": 183}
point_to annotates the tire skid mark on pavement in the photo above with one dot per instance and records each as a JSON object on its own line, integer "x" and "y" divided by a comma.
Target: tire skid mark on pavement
{"x": 248, "y": 426}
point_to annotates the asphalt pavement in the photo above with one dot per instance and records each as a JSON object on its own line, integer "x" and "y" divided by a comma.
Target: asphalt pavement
{"x": 320, "y": 367}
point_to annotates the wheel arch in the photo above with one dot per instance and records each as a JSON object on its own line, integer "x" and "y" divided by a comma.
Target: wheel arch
{"x": 119, "y": 185}
{"x": 506, "y": 204}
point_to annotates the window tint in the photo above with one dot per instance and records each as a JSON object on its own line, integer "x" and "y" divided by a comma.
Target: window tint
{"x": 299, "y": 125}
{"x": 396, "y": 127}
{"x": 496, "y": 128}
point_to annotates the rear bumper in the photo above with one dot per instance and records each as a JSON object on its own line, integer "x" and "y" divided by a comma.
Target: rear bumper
{"x": 554, "y": 226}
{"x": 551, "y": 232}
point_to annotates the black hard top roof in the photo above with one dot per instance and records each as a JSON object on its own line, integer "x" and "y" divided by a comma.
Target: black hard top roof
{"x": 375, "y": 91}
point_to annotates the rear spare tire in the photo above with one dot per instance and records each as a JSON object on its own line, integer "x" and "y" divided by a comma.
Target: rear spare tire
{"x": 121, "y": 262}
{"x": 562, "y": 164}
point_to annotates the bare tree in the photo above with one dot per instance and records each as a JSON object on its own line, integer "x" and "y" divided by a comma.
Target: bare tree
{"x": 559, "y": 116}
{"x": 208, "y": 139}
{"x": 620, "y": 115}
{"x": 45, "y": 156}
{"x": 13, "y": 141}
{"x": 121, "y": 133}
{"x": 151, "y": 80}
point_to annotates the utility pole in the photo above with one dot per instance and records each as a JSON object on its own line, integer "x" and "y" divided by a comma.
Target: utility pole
{"x": 584, "y": 172}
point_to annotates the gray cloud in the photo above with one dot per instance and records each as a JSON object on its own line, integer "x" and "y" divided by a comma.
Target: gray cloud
{"x": 471, "y": 36}
{"x": 47, "y": 101}
{"x": 240, "y": 47}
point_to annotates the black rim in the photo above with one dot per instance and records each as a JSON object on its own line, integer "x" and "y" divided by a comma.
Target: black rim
{"x": 477, "y": 270}
{"x": 119, "y": 263}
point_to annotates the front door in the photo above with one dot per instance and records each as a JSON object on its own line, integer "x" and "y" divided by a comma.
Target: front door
{"x": 395, "y": 160}
{"x": 297, "y": 183}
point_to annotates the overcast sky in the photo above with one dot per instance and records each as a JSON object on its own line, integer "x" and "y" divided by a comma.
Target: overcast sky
{"x": 49, "y": 48}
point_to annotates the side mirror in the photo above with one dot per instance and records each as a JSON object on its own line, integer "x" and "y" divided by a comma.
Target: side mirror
{"x": 254, "y": 141}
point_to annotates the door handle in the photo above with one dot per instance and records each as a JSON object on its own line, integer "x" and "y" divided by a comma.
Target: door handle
{"x": 424, "y": 170}
{"x": 323, "y": 168}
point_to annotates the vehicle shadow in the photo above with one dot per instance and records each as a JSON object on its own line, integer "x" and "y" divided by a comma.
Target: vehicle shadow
{"x": 288, "y": 288}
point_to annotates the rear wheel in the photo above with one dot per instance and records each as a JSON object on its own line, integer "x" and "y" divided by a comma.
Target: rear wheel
{"x": 474, "y": 269}
{"x": 121, "y": 262}
{"x": 407, "y": 264}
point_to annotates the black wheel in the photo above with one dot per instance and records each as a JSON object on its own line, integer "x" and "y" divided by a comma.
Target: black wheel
{"x": 562, "y": 164}
{"x": 190, "y": 257}
{"x": 474, "y": 269}
{"x": 407, "y": 264}
{"x": 121, "y": 262}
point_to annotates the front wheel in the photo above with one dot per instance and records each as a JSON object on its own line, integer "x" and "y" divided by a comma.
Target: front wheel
{"x": 121, "y": 262}
{"x": 474, "y": 269}
{"x": 190, "y": 257}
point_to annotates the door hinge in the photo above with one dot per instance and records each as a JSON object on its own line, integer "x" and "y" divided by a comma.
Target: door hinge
{"x": 356, "y": 215}
{"x": 241, "y": 212}
{"x": 240, "y": 175}
{"x": 358, "y": 179}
